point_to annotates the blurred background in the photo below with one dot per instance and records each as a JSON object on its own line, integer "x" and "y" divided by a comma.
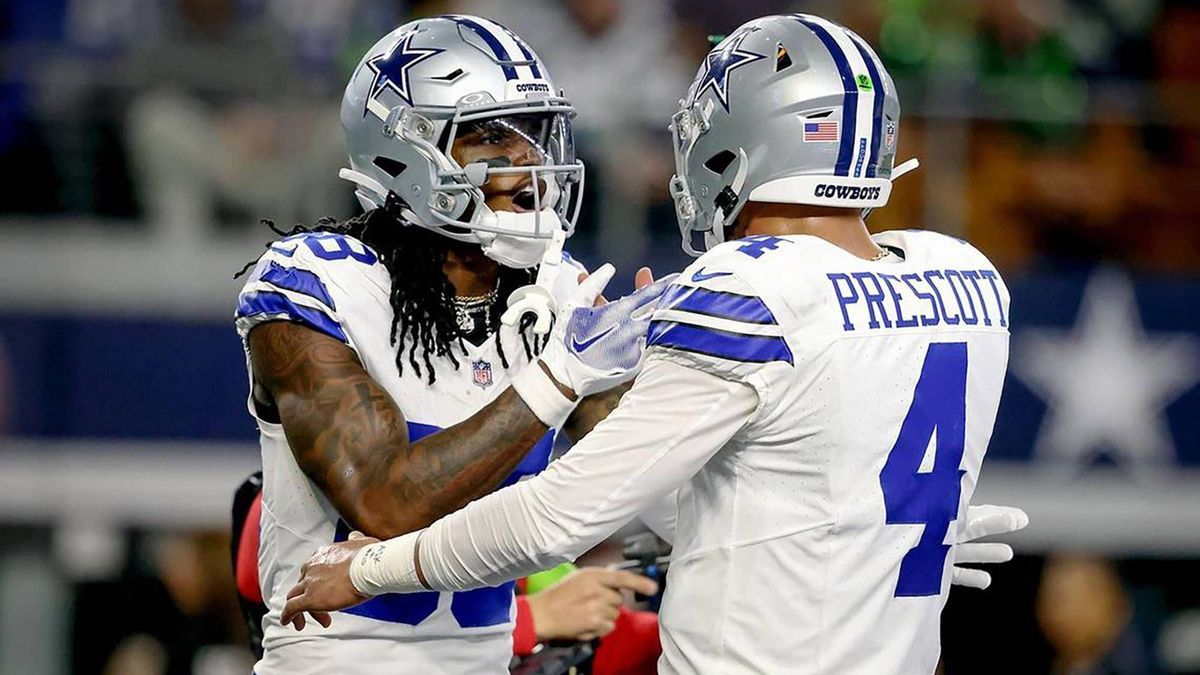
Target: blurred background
{"x": 142, "y": 140}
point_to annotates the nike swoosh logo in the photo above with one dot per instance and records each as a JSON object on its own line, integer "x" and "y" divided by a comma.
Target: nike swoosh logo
{"x": 580, "y": 347}
{"x": 701, "y": 276}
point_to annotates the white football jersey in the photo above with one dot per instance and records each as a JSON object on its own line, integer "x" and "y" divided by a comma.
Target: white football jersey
{"x": 334, "y": 284}
{"x": 820, "y": 538}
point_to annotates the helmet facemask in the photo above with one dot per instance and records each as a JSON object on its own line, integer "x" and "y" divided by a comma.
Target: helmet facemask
{"x": 534, "y": 154}
{"x": 428, "y": 84}
{"x": 688, "y": 126}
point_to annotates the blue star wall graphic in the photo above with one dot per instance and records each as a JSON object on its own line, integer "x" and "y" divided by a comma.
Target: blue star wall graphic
{"x": 391, "y": 69}
{"x": 719, "y": 63}
{"x": 1107, "y": 382}
{"x": 1104, "y": 371}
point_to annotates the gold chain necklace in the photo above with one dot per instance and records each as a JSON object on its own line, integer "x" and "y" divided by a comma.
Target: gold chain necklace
{"x": 465, "y": 305}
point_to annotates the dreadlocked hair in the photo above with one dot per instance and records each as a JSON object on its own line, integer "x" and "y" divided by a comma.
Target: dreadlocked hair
{"x": 422, "y": 297}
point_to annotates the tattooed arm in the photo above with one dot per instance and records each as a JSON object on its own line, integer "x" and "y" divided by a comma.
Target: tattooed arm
{"x": 350, "y": 438}
{"x": 592, "y": 410}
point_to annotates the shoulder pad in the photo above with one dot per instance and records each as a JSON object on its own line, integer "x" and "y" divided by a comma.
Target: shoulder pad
{"x": 713, "y": 319}
{"x": 323, "y": 246}
{"x": 292, "y": 282}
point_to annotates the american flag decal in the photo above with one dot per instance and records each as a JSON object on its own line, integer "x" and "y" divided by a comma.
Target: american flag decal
{"x": 815, "y": 132}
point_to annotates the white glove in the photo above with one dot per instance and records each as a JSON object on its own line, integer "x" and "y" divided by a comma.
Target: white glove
{"x": 984, "y": 521}
{"x": 592, "y": 349}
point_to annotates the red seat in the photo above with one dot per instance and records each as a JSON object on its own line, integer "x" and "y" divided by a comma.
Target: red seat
{"x": 246, "y": 566}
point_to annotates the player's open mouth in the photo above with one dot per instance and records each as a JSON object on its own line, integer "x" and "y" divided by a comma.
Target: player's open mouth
{"x": 525, "y": 196}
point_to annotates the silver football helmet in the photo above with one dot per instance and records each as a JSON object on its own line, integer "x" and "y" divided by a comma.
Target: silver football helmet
{"x": 789, "y": 108}
{"x": 408, "y": 100}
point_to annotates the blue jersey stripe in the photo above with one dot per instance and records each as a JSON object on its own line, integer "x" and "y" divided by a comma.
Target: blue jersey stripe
{"x": 278, "y": 304}
{"x": 719, "y": 343}
{"x": 410, "y": 609}
{"x": 721, "y": 304}
{"x": 300, "y": 281}
{"x": 417, "y": 431}
{"x": 849, "y": 98}
{"x": 877, "y": 110}
{"x": 510, "y": 73}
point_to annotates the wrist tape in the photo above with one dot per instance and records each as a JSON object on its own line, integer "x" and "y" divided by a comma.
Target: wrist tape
{"x": 542, "y": 395}
{"x": 387, "y": 566}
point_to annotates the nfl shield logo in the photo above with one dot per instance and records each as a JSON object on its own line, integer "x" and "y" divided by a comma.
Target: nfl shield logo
{"x": 889, "y": 136}
{"x": 481, "y": 373}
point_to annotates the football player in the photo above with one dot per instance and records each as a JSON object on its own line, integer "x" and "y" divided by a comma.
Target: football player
{"x": 823, "y": 397}
{"x": 386, "y": 387}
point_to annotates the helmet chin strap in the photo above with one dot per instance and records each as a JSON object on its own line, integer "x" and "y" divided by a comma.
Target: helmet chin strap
{"x": 516, "y": 239}
{"x": 897, "y": 171}
{"x": 538, "y": 298}
{"x": 715, "y": 234}
{"x": 905, "y": 167}
{"x": 512, "y": 250}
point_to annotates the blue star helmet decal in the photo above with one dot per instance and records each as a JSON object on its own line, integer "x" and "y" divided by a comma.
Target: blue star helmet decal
{"x": 719, "y": 62}
{"x": 391, "y": 69}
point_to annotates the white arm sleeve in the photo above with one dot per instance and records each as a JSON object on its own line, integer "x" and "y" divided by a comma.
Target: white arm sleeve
{"x": 667, "y": 427}
{"x": 661, "y": 516}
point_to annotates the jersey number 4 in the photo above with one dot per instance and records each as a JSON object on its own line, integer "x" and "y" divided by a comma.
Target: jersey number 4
{"x": 917, "y": 492}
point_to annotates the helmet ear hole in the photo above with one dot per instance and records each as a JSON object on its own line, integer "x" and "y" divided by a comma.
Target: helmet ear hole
{"x": 389, "y": 166}
{"x": 720, "y": 161}
{"x": 782, "y": 58}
